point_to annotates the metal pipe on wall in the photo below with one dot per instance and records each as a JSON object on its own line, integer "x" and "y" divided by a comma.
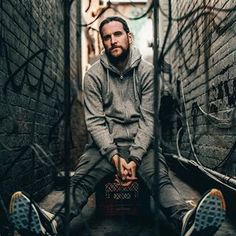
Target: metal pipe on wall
{"x": 226, "y": 181}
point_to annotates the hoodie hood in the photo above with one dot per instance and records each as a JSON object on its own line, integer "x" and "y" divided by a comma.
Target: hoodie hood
{"x": 134, "y": 59}
{"x": 133, "y": 62}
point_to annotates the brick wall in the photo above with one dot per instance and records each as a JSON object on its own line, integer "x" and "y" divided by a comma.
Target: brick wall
{"x": 31, "y": 94}
{"x": 203, "y": 56}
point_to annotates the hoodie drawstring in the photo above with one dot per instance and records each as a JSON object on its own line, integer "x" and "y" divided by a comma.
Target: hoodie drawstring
{"x": 108, "y": 81}
{"x": 135, "y": 87}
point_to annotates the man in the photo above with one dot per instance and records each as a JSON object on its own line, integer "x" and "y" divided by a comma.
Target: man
{"x": 119, "y": 116}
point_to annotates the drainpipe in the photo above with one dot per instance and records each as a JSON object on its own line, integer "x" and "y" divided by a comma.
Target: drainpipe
{"x": 157, "y": 72}
{"x": 67, "y": 109}
{"x": 79, "y": 45}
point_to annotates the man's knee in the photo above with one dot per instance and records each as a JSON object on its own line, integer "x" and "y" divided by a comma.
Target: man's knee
{"x": 91, "y": 158}
{"x": 92, "y": 164}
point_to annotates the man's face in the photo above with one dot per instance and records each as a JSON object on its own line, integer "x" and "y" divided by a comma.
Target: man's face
{"x": 115, "y": 40}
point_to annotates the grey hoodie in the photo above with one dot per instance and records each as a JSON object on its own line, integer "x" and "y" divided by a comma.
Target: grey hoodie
{"x": 119, "y": 106}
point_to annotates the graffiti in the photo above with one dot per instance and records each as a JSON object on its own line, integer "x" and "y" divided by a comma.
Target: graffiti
{"x": 17, "y": 83}
{"x": 199, "y": 47}
{"x": 225, "y": 89}
{"x": 193, "y": 54}
{"x": 21, "y": 96}
{"x": 192, "y": 62}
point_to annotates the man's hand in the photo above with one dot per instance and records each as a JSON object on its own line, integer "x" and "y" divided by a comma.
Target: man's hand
{"x": 132, "y": 170}
{"x": 131, "y": 176}
{"x": 126, "y": 171}
{"x": 121, "y": 167}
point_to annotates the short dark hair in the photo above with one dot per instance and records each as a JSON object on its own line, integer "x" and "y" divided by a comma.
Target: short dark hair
{"x": 114, "y": 18}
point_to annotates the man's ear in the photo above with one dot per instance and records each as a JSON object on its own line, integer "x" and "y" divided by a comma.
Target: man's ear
{"x": 130, "y": 37}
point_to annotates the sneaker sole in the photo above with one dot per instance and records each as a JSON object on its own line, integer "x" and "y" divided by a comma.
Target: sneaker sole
{"x": 210, "y": 214}
{"x": 24, "y": 215}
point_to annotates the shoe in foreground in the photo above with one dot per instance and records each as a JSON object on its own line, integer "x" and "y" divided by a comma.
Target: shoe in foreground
{"x": 27, "y": 216}
{"x": 206, "y": 217}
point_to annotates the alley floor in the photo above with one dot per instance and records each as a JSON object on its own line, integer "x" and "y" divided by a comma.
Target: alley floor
{"x": 90, "y": 223}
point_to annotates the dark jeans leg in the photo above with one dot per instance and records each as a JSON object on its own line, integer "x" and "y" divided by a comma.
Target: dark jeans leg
{"x": 91, "y": 169}
{"x": 171, "y": 202}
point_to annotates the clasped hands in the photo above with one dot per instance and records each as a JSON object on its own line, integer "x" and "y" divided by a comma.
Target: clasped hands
{"x": 126, "y": 172}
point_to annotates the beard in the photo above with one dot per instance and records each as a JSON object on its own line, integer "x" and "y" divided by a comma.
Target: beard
{"x": 120, "y": 58}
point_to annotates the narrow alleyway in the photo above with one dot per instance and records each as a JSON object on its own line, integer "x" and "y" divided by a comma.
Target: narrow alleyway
{"x": 46, "y": 48}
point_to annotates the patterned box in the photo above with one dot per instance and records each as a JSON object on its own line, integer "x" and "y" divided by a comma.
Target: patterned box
{"x": 113, "y": 199}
